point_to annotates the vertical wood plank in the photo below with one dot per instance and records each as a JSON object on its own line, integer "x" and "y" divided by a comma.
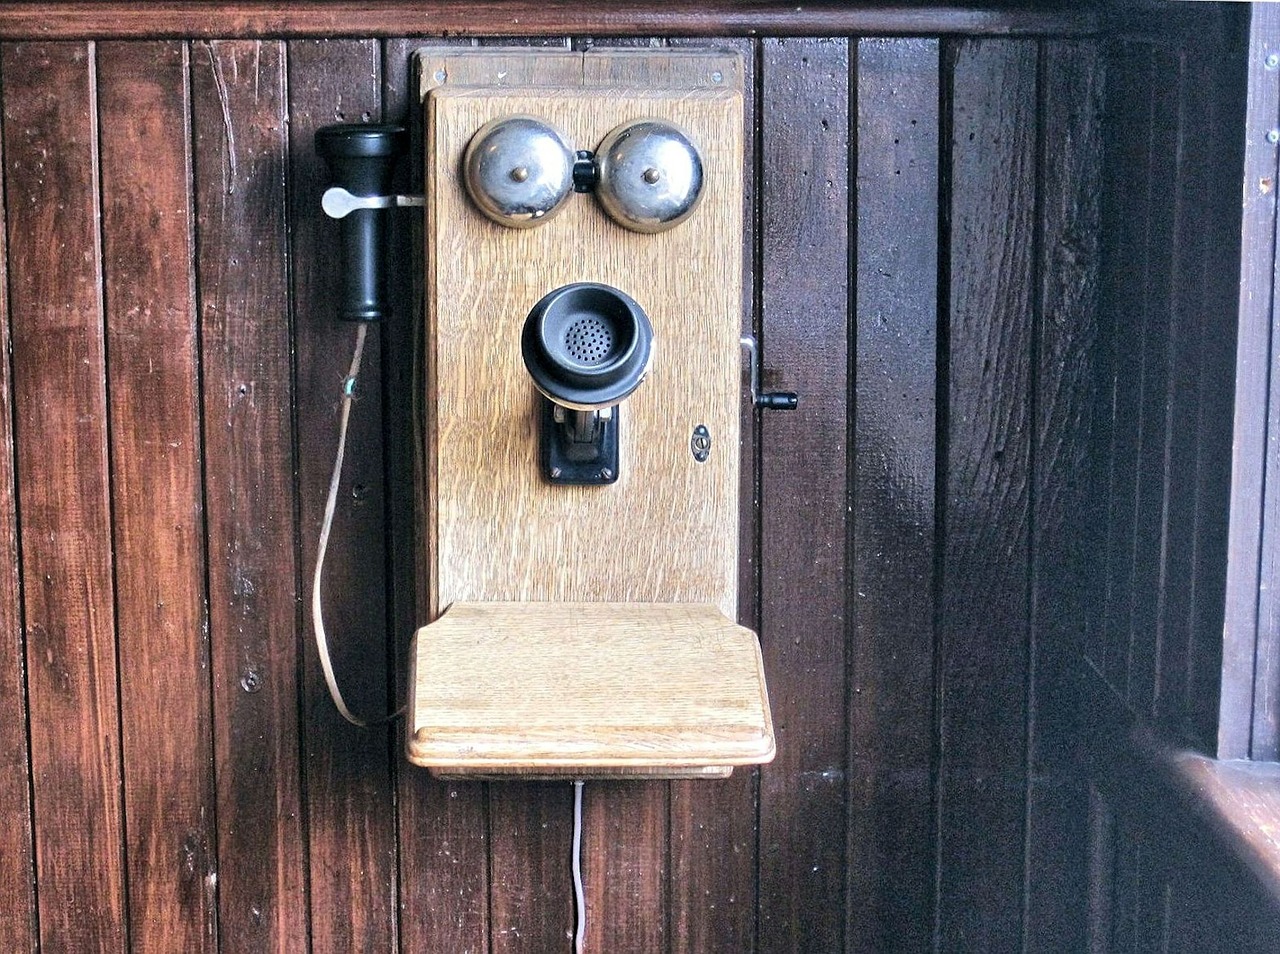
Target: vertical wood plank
{"x": 1125, "y": 213}
{"x": 624, "y": 842}
{"x": 157, "y": 494}
{"x": 1258, "y": 225}
{"x": 1185, "y": 384}
{"x": 983, "y": 627}
{"x": 804, "y": 505}
{"x": 890, "y": 898}
{"x": 1265, "y": 736}
{"x": 350, "y": 810}
{"x": 1067, "y": 529}
{"x": 1160, "y": 178}
{"x": 531, "y": 907}
{"x": 712, "y": 891}
{"x": 51, "y": 147}
{"x": 18, "y": 929}
{"x": 240, "y": 118}
{"x": 1212, "y": 632}
{"x": 444, "y": 834}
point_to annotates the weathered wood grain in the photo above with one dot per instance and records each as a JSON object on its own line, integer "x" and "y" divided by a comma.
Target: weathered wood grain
{"x": 1185, "y": 384}
{"x": 711, "y": 896}
{"x": 528, "y": 686}
{"x": 444, "y": 866}
{"x": 18, "y": 929}
{"x": 986, "y": 462}
{"x": 625, "y": 829}
{"x": 325, "y": 18}
{"x": 60, "y": 407}
{"x": 1224, "y": 284}
{"x": 156, "y": 452}
{"x": 1161, "y": 178}
{"x": 1067, "y": 529}
{"x": 1255, "y": 500}
{"x": 891, "y": 704}
{"x": 240, "y": 118}
{"x": 531, "y": 890}
{"x": 348, "y": 774}
{"x": 1125, "y": 212}
{"x": 804, "y": 501}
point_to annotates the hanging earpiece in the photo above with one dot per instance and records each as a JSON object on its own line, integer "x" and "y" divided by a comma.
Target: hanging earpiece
{"x": 519, "y": 171}
{"x": 648, "y": 175}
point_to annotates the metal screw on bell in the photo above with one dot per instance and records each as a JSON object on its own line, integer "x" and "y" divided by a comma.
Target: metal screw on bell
{"x": 518, "y": 170}
{"x": 649, "y": 175}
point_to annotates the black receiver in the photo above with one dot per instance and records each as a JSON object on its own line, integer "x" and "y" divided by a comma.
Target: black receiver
{"x": 361, "y": 159}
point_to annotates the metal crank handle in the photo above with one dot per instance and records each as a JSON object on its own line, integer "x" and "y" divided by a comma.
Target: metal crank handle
{"x": 337, "y": 202}
{"x": 766, "y": 400}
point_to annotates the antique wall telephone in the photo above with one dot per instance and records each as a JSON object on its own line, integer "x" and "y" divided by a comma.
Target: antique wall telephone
{"x": 582, "y": 286}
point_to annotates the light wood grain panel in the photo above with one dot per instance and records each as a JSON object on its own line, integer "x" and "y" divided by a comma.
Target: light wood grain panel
{"x": 531, "y": 685}
{"x": 667, "y": 530}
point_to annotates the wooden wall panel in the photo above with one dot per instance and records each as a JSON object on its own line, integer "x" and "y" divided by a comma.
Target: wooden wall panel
{"x": 712, "y": 893}
{"x": 986, "y": 473}
{"x": 804, "y": 311}
{"x": 1065, "y": 521}
{"x": 1150, "y": 340}
{"x": 64, "y": 491}
{"x": 350, "y": 811}
{"x": 240, "y": 120}
{"x": 890, "y": 900}
{"x": 18, "y": 928}
{"x": 908, "y": 540}
{"x": 157, "y": 495}
{"x": 444, "y": 864}
{"x": 1125, "y": 141}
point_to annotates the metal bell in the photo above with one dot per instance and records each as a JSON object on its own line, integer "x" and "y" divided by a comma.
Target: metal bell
{"x": 649, "y": 175}
{"x": 518, "y": 170}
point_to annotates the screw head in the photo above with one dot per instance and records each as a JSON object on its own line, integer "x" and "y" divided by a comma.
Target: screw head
{"x": 1273, "y": 136}
{"x": 1272, "y": 61}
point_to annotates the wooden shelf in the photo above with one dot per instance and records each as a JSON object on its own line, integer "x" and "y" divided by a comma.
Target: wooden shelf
{"x": 652, "y": 690}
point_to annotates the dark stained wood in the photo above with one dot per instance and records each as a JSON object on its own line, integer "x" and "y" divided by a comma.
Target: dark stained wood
{"x": 890, "y": 869}
{"x": 624, "y": 840}
{"x": 348, "y": 773}
{"x": 531, "y": 890}
{"x": 1161, "y": 180}
{"x": 712, "y": 891}
{"x": 207, "y": 19}
{"x": 18, "y": 929}
{"x": 804, "y": 312}
{"x": 1249, "y": 490}
{"x": 1101, "y": 867}
{"x": 240, "y": 119}
{"x": 1179, "y": 858}
{"x": 153, "y": 387}
{"x": 1067, "y": 528}
{"x": 1223, "y": 266}
{"x": 1186, "y": 342}
{"x": 1126, "y": 136}
{"x": 444, "y": 862}
{"x": 60, "y": 407}
{"x": 986, "y": 462}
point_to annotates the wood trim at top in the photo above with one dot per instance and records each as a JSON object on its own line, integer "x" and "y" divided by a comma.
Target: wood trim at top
{"x": 119, "y": 19}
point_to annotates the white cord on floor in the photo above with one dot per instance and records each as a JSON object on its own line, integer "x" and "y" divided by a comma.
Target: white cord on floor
{"x": 317, "y": 615}
{"x": 580, "y": 933}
